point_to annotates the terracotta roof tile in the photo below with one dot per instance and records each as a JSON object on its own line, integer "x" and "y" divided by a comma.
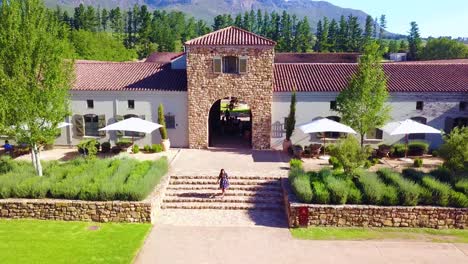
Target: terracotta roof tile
{"x": 130, "y": 76}
{"x": 316, "y": 57}
{"x": 163, "y": 57}
{"x": 231, "y": 36}
{"x": 402, "y": 77}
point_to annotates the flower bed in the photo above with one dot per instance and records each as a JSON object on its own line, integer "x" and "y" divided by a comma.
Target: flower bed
{"x": 92, "y": 180}
{"x": 386, "y": 187}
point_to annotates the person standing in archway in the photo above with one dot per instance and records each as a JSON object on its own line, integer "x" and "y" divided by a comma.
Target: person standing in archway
{"x": 223, "y": 181}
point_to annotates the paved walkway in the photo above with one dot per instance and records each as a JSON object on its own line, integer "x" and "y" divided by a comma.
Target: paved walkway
{"x": 169, "y": 244}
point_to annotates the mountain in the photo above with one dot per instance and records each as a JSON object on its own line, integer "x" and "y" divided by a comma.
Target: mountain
{"x": 207, "y": 9}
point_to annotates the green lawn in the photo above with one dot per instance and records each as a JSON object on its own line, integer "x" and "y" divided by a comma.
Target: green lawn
{"x": 36, "y": 241}
{"x": 355, "y": 233}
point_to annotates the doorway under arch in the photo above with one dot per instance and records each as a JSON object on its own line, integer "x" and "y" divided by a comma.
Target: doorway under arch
{"x": 230, "y": 124}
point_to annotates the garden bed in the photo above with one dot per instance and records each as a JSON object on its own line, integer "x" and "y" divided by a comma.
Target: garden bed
{"x": 91, "y": 180}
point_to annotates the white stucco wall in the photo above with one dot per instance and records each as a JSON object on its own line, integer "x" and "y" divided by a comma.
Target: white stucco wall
{"x": 112, "y": 103}
{"x": 437, "y": 107}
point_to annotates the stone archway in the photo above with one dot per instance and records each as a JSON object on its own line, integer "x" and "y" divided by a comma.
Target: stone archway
{"x": 204, "y": 88}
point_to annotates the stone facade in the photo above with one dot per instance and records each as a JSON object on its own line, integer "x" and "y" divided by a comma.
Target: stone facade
{"x": 300, "y": 214}
{"x": 206, "y": 87}
{"x": 113, "y": 211}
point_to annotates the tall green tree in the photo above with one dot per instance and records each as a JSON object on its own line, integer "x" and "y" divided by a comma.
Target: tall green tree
{"x": 34, "y": 77}
{"x": 383, "y": 26}
{"x": 368, "y": 28}
{"x": 333, "y": 32}
{"x": 354, "y": 34}
{"x": 414, "y": 42}
{"x": 291, "y": 120}
{"x": 342, "y": 39}
{"x": 362, "y": 105}
{"x": 444, "y": 48}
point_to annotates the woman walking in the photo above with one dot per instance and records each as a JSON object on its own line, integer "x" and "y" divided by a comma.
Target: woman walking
{"x": 223, "y": 180}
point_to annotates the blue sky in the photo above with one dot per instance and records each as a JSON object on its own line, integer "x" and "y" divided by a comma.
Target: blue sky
{"x": 434, "y": 17}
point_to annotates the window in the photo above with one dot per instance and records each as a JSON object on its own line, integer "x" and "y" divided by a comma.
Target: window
{"x": 374, "y": 134}
{"x": 90, "y": 104}
{"x": 463, "y": 106}
{"x": 91, "y": 125}
{"x": 332, "y": 105}
{"x": 419, "y": 105}
{"x": 421, "y": 120}
{"x": 230, "y": 64}
{"x": 243, "y": 64}
{"x": 131, "y": 104}
{"x": 130, "y": 133}
{"x": 170, "y": 121}
{"x": 217, "y": 65}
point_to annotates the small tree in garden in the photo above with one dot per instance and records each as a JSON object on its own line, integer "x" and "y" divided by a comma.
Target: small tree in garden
{"x": 362, "y": 104}
{"x": 455, "y": 149}
{"x": 34, "y": 77}
{"x": 291, "y": 120}
{"x": 162, "y": 122}
{"x": 349, "y": 154}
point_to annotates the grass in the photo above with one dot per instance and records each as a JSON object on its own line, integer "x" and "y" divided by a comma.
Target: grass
{"x": 224, "y": 107}
{"x": 37, "y": 241}
{"x": 407, "y": 234}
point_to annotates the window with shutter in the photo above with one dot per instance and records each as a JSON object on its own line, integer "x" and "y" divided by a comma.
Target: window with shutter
{"x": 79, "y": 125}
{"x": 91, "y": 125}
{"x": 117, "y": 119}
{"x": 102, "y": 124}
{"x": 230, "y": 64}
{"x": 217, "y": 65}
{"x": 243, "y": 64}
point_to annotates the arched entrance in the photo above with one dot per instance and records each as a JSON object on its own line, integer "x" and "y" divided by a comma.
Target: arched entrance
{"x": 230, "y": 124}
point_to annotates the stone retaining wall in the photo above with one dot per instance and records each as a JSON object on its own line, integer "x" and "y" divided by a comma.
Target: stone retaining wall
{"x": 68, "y": 210}
{"x": 300, "y": 214}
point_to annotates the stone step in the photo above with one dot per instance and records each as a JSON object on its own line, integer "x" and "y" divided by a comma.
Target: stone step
{"x": 228, "y": 199}
{"x": 222, "y": 206}
{"x": 214, "y": 182}
{"x": 232, "y": 187}
{"x": 237, "y": 177}
{"x": 207, "y": 193}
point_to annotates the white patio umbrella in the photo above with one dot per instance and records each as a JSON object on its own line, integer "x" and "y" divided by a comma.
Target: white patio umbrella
{"x": 323, "y": 125}
{"x": 407, "y": 127}
{"x": 63, "y": 124}
{"x": 132, "y": 124}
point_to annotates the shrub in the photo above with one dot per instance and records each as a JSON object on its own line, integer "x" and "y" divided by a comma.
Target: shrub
{"x": 135, "y": 149}
{"x": 324, "y": 173}
{"x": 124, "y": 143}
{"x": 106, "y": 147}
{"x": 301, "y": 186}
{"x": 88, "y": 147}
{"x": 6, "y": 164}
{"x": 349, "y": 154}
{"x": 457, "y": 199}
{"x": 398, "y": 150}
{"x": 371, "y": 187}
{"x": 338, "y": 190}
{"x": 462, "y": 186}
{"x": 320, "y": 192}
{"x": 418, "y": 163}
{"x": 418, "y": 148}
{"x": 147, "y": 148}
{"x": 354, "y": 195}
{"x": 390, "y": 195}
{"x": 443, "y": 174}
{"x": 408, "y": 191}
{"x": 295, "y": 164}
{"x": 162, "y": 122}
{"x": 413, "y": 174}
{"x": 156, "y": 148}
{"x": 334, "y": 162}
{"x": 454, "y": 150}
{"x": 440, "y": 191}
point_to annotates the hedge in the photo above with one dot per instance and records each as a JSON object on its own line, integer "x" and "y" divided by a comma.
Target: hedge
{"x": 408, "y": 191}
{"x": 301, "y": 185}
{"x": 95, "y": 179}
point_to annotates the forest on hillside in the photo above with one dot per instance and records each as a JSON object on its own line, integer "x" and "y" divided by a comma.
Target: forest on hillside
{"x": 121, "y": 35}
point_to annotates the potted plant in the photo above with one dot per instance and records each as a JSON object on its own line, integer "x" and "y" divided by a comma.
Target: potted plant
{"x": 290, "y": 123}
{"x": 165, "y": 142}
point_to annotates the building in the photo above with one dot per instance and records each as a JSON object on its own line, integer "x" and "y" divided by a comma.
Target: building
{"x": 234, "y": 65}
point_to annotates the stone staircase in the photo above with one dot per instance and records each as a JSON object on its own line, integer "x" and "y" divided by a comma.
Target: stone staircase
{"x": 244, "y": 193}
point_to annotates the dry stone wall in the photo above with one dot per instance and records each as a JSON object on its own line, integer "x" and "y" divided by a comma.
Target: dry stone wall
{"x": 300, "y": 214}
{"x": 205, "y": 88}
{"x": 113, "y": 211}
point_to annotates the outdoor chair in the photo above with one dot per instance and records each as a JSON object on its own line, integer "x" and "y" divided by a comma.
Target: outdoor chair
{"x": 315, "y": 150}
{"x": 383, "y": 151}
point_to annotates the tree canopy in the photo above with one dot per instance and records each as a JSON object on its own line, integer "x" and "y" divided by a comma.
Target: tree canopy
{"x": 34, "y": 77}
{"x": 444, "y": 48}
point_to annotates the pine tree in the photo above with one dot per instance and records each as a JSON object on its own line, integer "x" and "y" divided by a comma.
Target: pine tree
{"x": 414, "y": 42}
{"x": 354, "y": 34}
{"x": 368, "y": 28}
{"x": 383, "y": 26}
{"x": 319, "y": 37}
{"x": 333, "y": 33}
{"x": 259, "y": 22}
{"x": 238, "y": 21}
{"x": 342, "y": 39}
{"x": 104, "y": 19}
{"x": 303, "y": 36}
{"x": 403, "y": 46}
{"x": 324, "y": 45}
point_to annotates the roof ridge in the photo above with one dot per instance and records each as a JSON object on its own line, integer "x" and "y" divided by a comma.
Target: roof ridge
{"x": 189, "y": 42}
